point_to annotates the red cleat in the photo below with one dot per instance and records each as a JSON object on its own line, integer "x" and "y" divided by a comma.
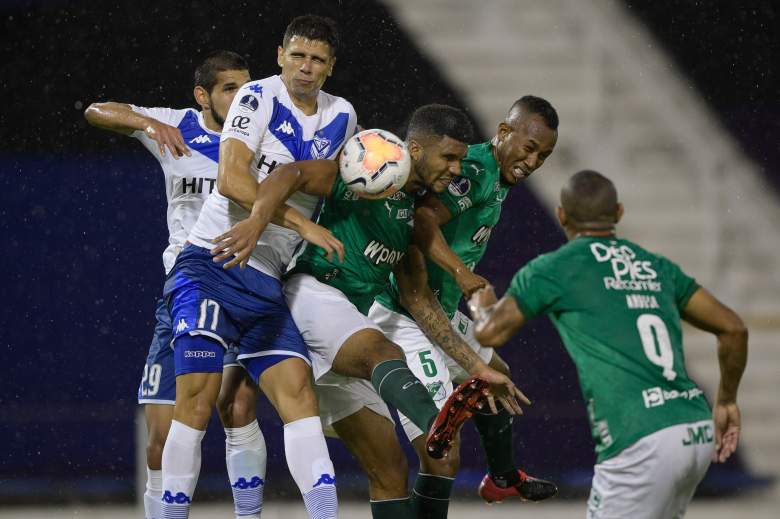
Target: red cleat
{"x": 528, "y": 489}
{"x": 467, "y": 398}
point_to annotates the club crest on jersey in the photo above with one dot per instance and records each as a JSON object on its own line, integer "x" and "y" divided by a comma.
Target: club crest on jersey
{"x": 459, "y": 186}
{"x": 248, "y": 103}
{"x": 320, "y": 147}
{"x": 436, "y": 390}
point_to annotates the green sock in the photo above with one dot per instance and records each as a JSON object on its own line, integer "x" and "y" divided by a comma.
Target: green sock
{"x": 431, "y": 496}
{"x": 391, "y": 509}
{"x": 495, "y": 432}
{"x": 398, "y": 386}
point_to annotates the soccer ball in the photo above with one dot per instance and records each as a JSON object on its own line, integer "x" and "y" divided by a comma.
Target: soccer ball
{"x": 374, "y": 163}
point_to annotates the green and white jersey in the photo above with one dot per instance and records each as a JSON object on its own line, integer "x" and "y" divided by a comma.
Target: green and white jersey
{"x": 617, "y": 308}
{"x": 474, "y": 200}
{"x": 375, "y": 234}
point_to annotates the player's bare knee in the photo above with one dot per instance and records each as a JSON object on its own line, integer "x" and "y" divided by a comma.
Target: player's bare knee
{"x": 237, "y": 409}
{"x": 154, "y": 451}
{"x": 384, "y": 350}
{"x": 447, "y": 466}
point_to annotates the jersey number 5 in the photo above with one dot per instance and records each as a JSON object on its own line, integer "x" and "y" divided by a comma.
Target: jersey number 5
{"x": 656, "y": 343}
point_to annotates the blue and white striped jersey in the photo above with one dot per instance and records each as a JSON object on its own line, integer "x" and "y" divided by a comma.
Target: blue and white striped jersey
{"x": 188, "y": 180}
{"x": 263, "y": 117}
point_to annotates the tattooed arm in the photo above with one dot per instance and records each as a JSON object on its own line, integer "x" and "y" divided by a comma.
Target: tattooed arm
{"x": 417, "y": 298}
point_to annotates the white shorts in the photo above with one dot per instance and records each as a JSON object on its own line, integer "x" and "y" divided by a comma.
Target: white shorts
{"x": 435, "y": 369}
{"x": 655, "y": 477}
{"x": 339, "y": 402}
{"x": 326, "y": 319}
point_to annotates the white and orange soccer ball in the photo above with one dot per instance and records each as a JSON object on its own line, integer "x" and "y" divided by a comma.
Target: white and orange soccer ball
{"x": 374, "y": 163}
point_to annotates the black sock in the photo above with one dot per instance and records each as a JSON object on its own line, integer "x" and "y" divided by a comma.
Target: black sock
{"x": 495, "y": 432}
{"x": 431, "y": 496}
{"x": 391, "y": 509}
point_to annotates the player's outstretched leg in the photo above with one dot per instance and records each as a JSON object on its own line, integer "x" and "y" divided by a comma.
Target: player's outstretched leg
{"x": 287, "y": 385}
{"x": 504, "y": 479}
{"x": 245, "y": 450}
{"x": 368, "y": 354}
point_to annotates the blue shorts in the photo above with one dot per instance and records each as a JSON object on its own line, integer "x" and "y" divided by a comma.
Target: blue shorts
{"x": 244, "y": 307}
{"x": 158, "y": 383}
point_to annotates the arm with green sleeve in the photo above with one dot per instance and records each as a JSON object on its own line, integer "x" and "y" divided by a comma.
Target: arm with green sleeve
{"x": 429, "y": 216}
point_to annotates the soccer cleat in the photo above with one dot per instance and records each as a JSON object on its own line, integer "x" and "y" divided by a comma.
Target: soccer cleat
{"x": 528, "y": 488}
{"x": 467, "y": 398}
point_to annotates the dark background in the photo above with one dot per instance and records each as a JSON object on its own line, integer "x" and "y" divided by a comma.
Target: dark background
{"x": 84, "y": 213}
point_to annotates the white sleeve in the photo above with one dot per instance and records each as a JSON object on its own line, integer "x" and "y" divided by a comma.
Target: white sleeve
{"x": 168, "y": 116}
{"x": 249, "y": 116}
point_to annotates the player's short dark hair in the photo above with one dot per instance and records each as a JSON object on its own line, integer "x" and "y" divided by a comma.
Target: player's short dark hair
{"x": 536, "y": 105}
{"x": 313, "y": 27}
{"x": 590, "y": 199}
{"x": 215, "y": 62}
{"x": 440, "y": 120}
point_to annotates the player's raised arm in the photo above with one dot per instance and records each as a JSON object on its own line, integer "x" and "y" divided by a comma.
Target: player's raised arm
{"x": 121, "y": 118}
{"x": 430, "y": 215}
{"x": 314, "y": 177}
{"x": 419, "y": 301}
{"x": 705, "y": 312}
{"x": 495, "y": 322}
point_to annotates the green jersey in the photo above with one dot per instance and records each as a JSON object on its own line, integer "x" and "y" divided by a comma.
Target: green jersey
{"x": 617, "y": 308}
{"x": 474, "y": 200}
{"x": 375, "y": 234}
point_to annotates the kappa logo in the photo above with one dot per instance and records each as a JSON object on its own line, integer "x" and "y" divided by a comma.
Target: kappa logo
{"x": 181, "y": 326}
{"x": 257, "y": 89}
{"x": 325, "y": 479}
{"x": 286, "y": 128}
{"x": 180, "y": 498}
{"x": 243, "y": 484}
{"x": 200, "y": 139}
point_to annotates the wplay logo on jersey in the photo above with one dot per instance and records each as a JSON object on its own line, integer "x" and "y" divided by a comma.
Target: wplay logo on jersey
{"x": 248, "y": 103}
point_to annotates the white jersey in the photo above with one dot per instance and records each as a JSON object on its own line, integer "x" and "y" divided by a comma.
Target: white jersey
{"x": 263, "y": 117}
{"x": 188, "y": 180}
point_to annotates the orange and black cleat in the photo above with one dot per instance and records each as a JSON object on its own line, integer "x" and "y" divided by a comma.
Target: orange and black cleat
{"x": 459, "y": 407}
{"x": 528, "y": 488}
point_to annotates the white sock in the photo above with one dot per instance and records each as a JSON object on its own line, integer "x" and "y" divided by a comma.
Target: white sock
{"x": 245, "y": 457}
{"x": 153, "y": 494}
{"x": 180, "y": 470}
{"x": 311, "y": 467}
